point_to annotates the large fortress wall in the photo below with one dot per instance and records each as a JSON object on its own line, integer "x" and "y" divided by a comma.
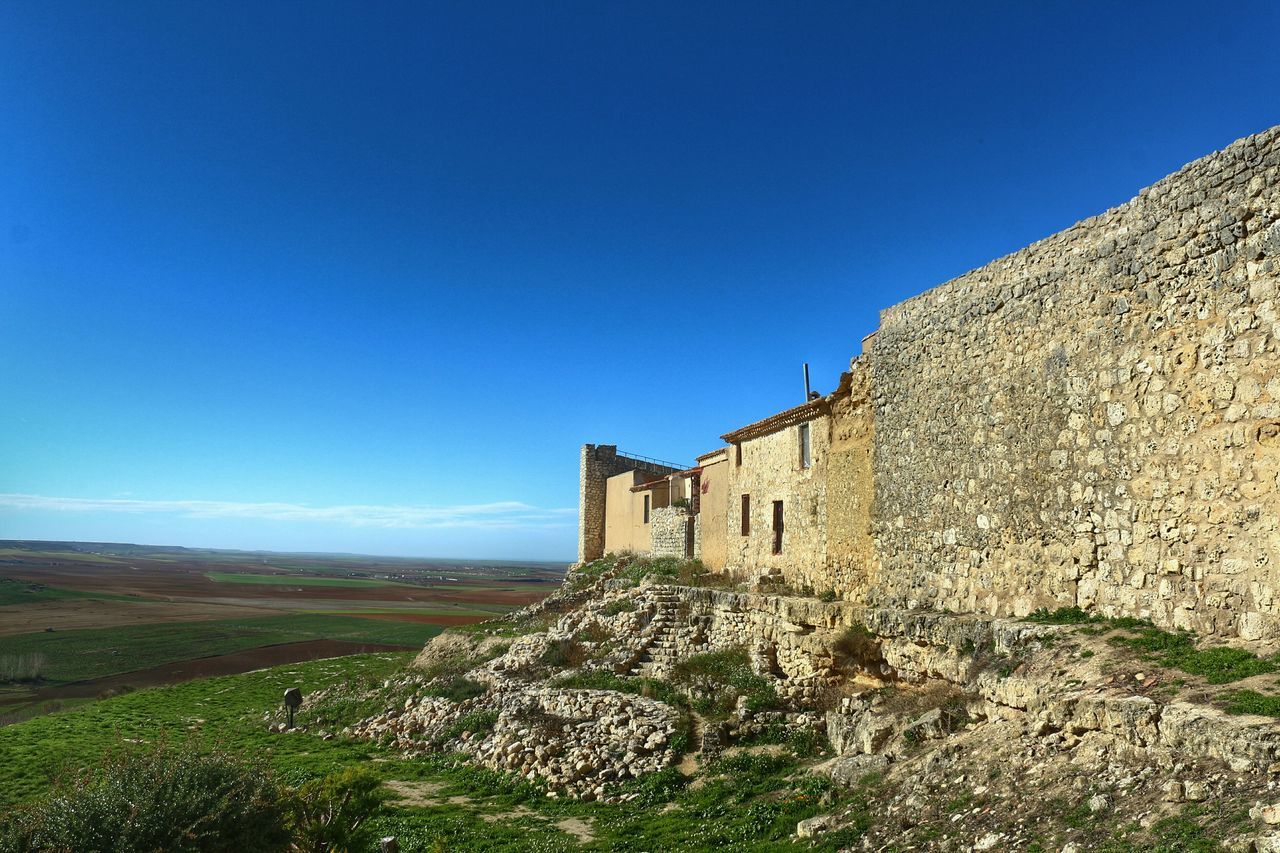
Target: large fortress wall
{"x": 1095, "y": 419}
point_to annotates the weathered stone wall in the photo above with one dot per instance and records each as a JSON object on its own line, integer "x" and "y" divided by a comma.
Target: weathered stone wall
{"x": 851, "y": 559}
{"x": 1095, "y": 419}
{"x": 770, "y": 471}
{"x": 669, "y": 532}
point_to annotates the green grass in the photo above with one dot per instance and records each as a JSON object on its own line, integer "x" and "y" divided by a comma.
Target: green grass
{"x": 1216, "y": 664}
{"x": 748, "y": 802}
{"x": 226, "y": 711}
{"x": 1173, "y": 649}
{"x": 95, "y": 653}
{"x": 296, "y": 580}
{"x": 1252, "y": 702}
{"x": 22, "y": 592}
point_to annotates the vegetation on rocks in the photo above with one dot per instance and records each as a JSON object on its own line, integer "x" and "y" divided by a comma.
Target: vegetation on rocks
{"x": 716, "y": 681}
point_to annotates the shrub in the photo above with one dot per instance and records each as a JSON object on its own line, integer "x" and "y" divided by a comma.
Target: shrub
{"x": 331, "y": 814}
{"x": 162, "y": 799}
{"x": 621, "y": 605}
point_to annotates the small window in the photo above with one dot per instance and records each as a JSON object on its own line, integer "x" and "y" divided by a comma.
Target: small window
{"x": 746, "y": 515}
{"x": 777, "y": 527}
{"x": 806, "y": 458}
{"x": 646, "y": 509}
{"x": 737, "y": 455}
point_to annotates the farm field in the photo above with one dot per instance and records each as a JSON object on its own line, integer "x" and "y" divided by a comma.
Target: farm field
{"x": 82, "y": 620}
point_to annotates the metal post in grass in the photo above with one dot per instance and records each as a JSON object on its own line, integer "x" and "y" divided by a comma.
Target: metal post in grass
{"x": 292, "y": 701}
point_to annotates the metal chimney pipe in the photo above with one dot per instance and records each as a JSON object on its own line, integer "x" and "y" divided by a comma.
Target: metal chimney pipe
{"x": 806, "y": 381}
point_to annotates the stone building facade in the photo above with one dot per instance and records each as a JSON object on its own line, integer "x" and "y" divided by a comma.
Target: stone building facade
{"x": 777, "y": 496}
{"x": 1092, "y": 421}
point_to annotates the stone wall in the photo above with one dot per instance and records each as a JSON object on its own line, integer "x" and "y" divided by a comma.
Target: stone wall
{"x": 851, "y": 559}
{"x": 670, "y": 532}
{"x": 1095, "y": 420}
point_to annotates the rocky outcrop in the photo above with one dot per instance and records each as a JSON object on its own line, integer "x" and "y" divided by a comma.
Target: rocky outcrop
{"x": 575, "y": 742}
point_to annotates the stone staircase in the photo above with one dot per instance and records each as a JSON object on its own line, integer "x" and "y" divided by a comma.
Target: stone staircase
{"x": 657, "y": 649}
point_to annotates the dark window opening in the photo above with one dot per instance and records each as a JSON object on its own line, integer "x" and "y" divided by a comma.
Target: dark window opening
{"x": 646, "y": 509}
{"x": 777, "y": 527}
{"x": 746, "y": 515}
{"x": 806, "y": 458}
{"x": 737, "y": 455}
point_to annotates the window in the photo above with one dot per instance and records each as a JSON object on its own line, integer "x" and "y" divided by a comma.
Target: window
{"x": 737, "y": 455}
{"x": 646, "y": 509}
{"x": 806, "y": 457}
{"x": 746, "y": 515}
{"x": 777, "y": 527}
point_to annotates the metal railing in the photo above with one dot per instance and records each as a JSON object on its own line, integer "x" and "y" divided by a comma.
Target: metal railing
{"x": 636, "y": 457}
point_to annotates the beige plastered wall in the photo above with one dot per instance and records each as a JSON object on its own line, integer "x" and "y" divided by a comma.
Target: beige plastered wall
{"x": 713, "y": 509}
{"x": 624, "y": 527}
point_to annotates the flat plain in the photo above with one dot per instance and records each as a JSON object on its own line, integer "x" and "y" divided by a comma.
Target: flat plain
{"x": 79, "y": 621}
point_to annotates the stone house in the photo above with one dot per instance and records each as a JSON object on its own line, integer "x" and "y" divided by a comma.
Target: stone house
{"x": 777, "y": 494}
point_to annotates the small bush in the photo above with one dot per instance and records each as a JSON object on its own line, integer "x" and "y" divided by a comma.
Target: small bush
{"x": 332, "y": 813}
{"x": 162, "y": 799}
{"x": 1061, "y": 616}
{"x": 621, "y": 605}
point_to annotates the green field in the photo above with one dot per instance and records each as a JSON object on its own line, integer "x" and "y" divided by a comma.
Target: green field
{"x": 99, "y": 652}
{"x": 21, "y": 592}
{"x": 300, "y": 580}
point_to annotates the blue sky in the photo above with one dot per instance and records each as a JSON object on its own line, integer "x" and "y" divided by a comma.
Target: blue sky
{"x": 362, "y": 277}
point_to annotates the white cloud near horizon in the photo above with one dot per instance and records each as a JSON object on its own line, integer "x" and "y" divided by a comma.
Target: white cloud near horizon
{"x": 508, "y": 515}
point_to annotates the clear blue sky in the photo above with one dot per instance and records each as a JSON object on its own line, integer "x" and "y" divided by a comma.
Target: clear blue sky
{"x": 363, "y": 276}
